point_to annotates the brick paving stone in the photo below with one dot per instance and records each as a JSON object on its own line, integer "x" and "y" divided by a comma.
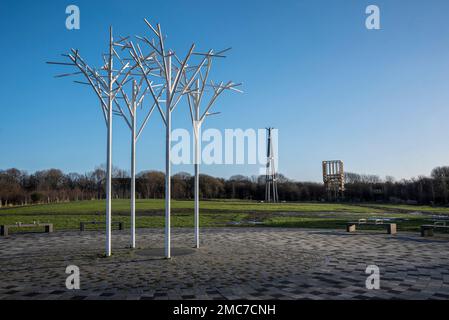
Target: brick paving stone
{"x": 233, "y": 263}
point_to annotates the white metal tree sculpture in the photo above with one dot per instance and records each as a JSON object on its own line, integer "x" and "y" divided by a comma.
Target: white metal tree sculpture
{"x": 159, "y": 72}
{"x": 106, "y": 84}
{"x": 173, "y": 95}
{"x": 136, "y": 101}
{"x": 195, "y": 99}
{"x": 177, "y": 77}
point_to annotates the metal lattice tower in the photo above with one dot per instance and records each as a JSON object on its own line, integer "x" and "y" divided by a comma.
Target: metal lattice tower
{"x": 334, "y": 179}
{"x": 271, "y": 188}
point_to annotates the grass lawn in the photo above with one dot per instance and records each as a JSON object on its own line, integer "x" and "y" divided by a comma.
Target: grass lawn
{"x": 411, "y": 208}
{"x": 150, "y": 213}
{"x": 72, "y": 222}
{"x": 145, "y": 206}
{"x": 408, "y": 224}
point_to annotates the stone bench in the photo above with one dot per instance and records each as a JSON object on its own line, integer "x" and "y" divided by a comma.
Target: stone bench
{"x": 427, "y": 229}
{"x": 352, "y": 226}
{"x": 4, "y": 229}
{"x": 83, "y": 224}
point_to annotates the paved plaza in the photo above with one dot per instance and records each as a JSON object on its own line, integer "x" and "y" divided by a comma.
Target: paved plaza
{"x": 233, "y": 263}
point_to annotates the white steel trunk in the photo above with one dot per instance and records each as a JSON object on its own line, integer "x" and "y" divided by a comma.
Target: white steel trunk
{"x": 133, "y": 181}
{"x": 168, "y": 165}
{"x": 109, "y": 155}
{"x": 197, "y": 183}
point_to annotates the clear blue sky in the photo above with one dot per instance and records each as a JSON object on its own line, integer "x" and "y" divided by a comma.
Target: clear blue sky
{"x": 379, "y": 100}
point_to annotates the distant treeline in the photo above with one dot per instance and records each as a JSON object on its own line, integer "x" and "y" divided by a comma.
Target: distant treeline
{"x": 52, "y": 186}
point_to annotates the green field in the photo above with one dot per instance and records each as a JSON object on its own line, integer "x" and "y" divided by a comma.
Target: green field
{"x": 150, "y": 213}
{"x": 151, "y": 206}
{"x": 410, "y": 208}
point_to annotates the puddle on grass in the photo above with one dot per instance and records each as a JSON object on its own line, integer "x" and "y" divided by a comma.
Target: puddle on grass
{"x": 245, "y": 223}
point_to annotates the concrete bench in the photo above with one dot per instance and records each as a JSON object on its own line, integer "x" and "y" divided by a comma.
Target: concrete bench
{"x": 352, "y": 226}
{"x": 83, "y": 224}
{"x": 427, "y": 229}
{"x": 4, "y": 229}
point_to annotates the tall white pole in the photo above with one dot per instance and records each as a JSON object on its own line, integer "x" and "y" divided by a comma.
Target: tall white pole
{"x": 197, "y": 129}
{"x": 109, "y": 152}
{"x": 133, "y": 168}
{"x": 197, "y": 186}
{"x": 168, "y": 162}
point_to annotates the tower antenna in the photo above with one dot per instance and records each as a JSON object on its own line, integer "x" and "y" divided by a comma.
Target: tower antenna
{"x": 271, "y": 188}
